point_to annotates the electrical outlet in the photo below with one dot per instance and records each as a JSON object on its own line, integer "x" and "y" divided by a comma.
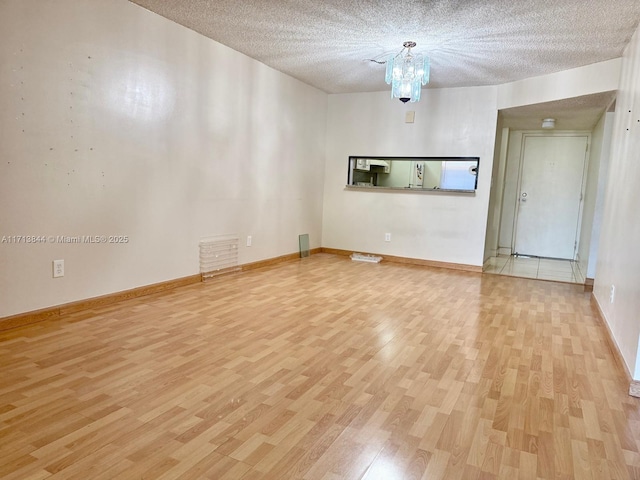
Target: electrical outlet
{"x": 387, "y": 237}
{"x": 248, "y": 240}
{"x": 612, "y": 293}
{"x": 58, "y": 268}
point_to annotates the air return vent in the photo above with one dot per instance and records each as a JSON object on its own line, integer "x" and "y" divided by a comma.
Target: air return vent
{"x": 218, "y": 254}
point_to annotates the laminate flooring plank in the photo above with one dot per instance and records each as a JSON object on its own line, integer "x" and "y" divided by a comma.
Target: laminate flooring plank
{"x": 322, "y": 369}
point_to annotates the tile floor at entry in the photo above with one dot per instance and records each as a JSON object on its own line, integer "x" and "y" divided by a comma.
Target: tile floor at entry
{"x": 540, "y": 268}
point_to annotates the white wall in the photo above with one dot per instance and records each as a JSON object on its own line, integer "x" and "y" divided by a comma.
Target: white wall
{"x": 619, "y": 254}
{"x": 116, "y": 121}
{"x": 497, "y": 191}
{"x": 575, "y": 82}
{"x": 594, "y": 195}
{"x": 590, "y": 193}
{"x": 510, "y": 191}
{"x": 603, "y": 176}
{"x": 432, "y": 226}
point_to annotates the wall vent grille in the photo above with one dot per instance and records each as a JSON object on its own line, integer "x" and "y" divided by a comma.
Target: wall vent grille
{"x": 218, "y": 254}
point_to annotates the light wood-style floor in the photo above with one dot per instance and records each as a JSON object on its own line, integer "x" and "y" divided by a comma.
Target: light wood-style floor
{"x": 322, "y": 369}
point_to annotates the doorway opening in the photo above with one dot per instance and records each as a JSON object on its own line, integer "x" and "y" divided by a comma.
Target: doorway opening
{"x": 533, "y": 190}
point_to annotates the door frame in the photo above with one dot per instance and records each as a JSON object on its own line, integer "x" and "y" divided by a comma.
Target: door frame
{"x": 585, "y": 169}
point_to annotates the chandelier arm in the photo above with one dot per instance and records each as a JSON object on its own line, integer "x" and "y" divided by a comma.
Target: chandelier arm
{"x": 401, "y": 52}
{"x": 395, "y": 56}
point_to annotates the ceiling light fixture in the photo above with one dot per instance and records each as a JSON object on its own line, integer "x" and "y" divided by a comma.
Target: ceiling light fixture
{"x": 549, "y": 123}
{"x": 406, "y": 73}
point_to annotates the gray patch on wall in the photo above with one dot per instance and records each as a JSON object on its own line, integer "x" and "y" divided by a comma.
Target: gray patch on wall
{"x": 303, "y": 240}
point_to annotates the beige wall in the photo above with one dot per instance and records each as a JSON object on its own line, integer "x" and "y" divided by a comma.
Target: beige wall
{"x": 619, "y": 253}
{"x": 116, "y": 121}
{"x": 399, "y": 174}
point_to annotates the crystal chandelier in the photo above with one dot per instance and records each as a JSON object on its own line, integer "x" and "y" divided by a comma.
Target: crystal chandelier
{"x": 406, "y": 73}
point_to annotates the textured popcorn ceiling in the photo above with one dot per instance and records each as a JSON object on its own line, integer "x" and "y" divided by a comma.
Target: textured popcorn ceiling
{"x": 470, "y": 42}
{"x": 327, "y": 44}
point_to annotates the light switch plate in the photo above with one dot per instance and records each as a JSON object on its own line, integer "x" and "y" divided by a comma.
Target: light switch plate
{"x": 409, "y": 117}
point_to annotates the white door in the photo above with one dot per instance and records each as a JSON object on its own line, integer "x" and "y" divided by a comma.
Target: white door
{"x": 550, "y": 196}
